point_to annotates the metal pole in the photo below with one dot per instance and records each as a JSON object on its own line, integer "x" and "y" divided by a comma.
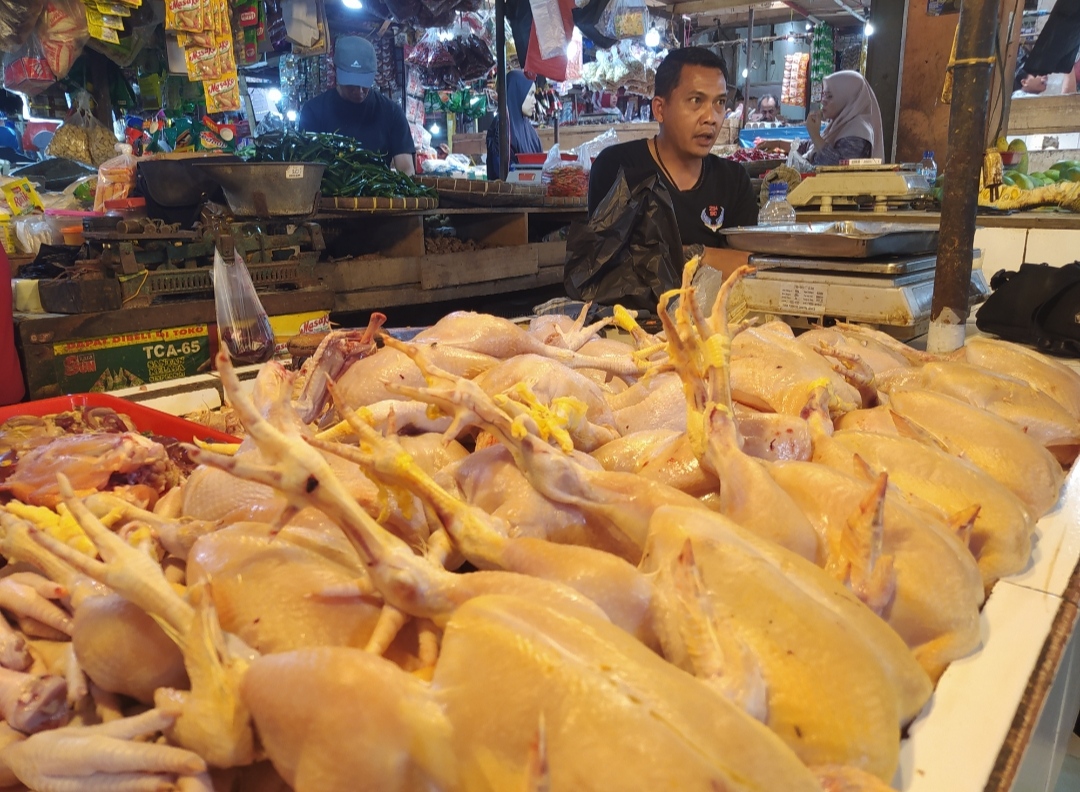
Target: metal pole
{"x": 746, "y": 83}
{"x": 967, "y": 142}
{"x": 500, "y": 88}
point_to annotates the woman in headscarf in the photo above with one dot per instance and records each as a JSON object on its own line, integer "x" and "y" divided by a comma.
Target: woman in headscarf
{"x": 854, "y": 128}
{"x": 853, "y": 131}
{"x": 520, "y": 104}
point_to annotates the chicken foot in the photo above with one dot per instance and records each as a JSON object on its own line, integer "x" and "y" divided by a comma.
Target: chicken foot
{"x": 104, "y": 758}
{"x": 701, "y": 349}
{"x": 25, "y": 594}
{"x": 211, "y": 719}
{"x": 126, "y": 570}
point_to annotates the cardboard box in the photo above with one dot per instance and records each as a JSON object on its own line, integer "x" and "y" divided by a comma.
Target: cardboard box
{"x": 102, "y": 364}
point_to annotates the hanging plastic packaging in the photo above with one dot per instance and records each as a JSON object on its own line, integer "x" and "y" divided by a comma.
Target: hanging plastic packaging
{"x": 82, "y": 137}
{"x": 17, "y": 21}
{"x": 243, "y": 326}
{"x": 624, "y": 19}
{"x": 554, "y": 67}
{"x": 63, "y": 32}
{"x": 548, "y": 23}
{"x": 27, "y": 69}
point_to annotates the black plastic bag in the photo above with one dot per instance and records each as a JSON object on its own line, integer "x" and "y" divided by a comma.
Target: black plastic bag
{"x": 630, "y": 251}
{"x": 1037, "y": 305}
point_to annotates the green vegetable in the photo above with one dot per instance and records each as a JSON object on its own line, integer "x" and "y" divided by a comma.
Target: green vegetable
{"x": 351, "y": 171}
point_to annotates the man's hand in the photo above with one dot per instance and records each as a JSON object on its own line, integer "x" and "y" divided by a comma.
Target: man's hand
{"x": 405, "y": 163}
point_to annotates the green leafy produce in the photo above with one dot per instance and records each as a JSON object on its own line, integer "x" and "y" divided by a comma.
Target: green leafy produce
{"x": 351, "y": 171}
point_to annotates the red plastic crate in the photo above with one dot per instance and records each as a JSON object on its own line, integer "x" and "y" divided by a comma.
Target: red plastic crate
{"x": 146, "y": 419}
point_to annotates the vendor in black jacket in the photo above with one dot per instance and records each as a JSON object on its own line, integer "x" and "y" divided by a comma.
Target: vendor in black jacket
{"x": 708, "y": 193}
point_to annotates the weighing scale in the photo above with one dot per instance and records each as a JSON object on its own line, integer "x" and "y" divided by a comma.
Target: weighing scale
{"x": 878, "y": 274}
{"x": 886, "y": 185}
{"x": 892, "y": 294}
{"x": 525, "y": 174}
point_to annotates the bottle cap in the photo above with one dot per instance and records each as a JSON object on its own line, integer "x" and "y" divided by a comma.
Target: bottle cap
{"x": 777, "y": 188}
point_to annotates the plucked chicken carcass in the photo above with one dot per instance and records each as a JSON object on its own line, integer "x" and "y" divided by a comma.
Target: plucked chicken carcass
{"x": 771, "y": 371}
{"x": 1000, "y": 537}
{"x": 932, "y": 587}
{"x": 999, "y": 448}
{"x": 1045, "y": 374}
{"x": 126, "y": 463}
{"x": 701, "y": 349}
{"x": 1035, "y": 413}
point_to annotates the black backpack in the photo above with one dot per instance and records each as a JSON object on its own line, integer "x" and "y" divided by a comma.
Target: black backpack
{"x": 1037, "y": 305}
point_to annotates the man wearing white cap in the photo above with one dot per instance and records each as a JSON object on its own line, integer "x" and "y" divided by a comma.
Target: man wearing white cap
{"x": 352, "y": 108}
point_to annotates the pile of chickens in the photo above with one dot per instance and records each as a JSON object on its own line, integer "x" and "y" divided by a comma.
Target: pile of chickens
{"x": 498, "y": 558}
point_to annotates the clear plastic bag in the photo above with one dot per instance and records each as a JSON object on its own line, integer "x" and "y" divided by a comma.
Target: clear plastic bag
{"x": 63, "y": 33}
{"x": 82, "y": 137}
{"x": 116, "y": 177}
{"x": 243, "y": 326}
{"x": 27, "y": 69}
{"x": 624, "y": 19}
{"x": 550, "y": 32}
{"x": 589, "y": 150}
{"x": 564, "y": 178}
{"x": 17, "y": 20}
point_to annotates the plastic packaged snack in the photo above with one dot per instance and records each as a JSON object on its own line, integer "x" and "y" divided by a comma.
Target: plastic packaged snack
{"x": 116, "y": 177}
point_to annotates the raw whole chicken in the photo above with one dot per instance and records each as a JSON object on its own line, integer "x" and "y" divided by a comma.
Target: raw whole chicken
{"x": 933, "y": 588}
{"x": 772, "y": 372}
{"x": 999, "y": 448}
{"x": 1000, "y": 537}
{"x": 1035, "y": 413}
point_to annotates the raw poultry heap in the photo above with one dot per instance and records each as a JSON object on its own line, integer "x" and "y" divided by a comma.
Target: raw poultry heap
{"x": 727, "y": 559}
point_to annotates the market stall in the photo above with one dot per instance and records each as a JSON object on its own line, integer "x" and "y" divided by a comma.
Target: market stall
{"x": 754, "y": 527}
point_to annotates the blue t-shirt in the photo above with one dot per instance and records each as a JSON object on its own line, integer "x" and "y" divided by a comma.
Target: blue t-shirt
{"x": 377, "y": 123}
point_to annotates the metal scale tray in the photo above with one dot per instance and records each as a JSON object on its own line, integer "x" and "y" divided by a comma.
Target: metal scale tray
{"x": 849, "y": 239}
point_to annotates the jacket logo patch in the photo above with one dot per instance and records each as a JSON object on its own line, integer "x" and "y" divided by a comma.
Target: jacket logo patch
{"x": 713, "y": 217}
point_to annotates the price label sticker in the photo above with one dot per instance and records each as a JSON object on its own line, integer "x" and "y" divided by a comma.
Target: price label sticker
{"x": 803, "y": 299}
{"x": 294, "y": 172}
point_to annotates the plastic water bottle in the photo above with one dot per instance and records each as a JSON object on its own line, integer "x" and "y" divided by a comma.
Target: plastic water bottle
{"x": 928, "y": 167}
{"x": 777, "y": 210}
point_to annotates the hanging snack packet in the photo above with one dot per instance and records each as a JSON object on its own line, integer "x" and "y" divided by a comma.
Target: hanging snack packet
{"x": 185, "y": 16}
{"x": 223, "y": 95}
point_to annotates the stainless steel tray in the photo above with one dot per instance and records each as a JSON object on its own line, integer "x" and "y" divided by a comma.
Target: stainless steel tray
{"x": 894, "y": 266}
{"x": 847, "y": 239}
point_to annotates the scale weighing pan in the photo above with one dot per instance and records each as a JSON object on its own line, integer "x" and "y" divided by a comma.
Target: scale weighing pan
{"x": 847, "y": 239}
{"x": 889, "y": 266}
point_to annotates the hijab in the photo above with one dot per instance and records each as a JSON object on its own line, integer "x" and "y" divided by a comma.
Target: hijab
{"x": 859, "y": 114}
{"x": 523, "y": 138}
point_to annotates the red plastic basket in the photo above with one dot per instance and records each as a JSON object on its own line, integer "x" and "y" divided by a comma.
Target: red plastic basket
{"x": 146, "y": 419}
